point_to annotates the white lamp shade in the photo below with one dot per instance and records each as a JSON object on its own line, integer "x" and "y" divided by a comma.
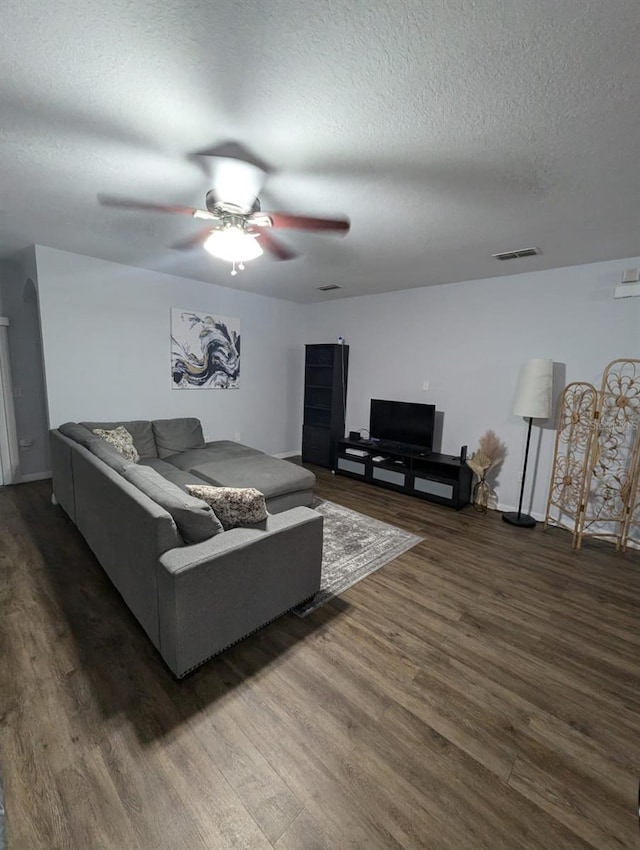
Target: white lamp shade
{"x": 233, "y": 244}
{"x": 533, "y": 398}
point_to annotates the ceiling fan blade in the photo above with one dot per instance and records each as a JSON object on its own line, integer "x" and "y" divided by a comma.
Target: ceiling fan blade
{"x": 195, "y": 241}
{"x": 303, "y": 222}
{"x": 129, "y": 204}
{"x": 275, "y": 247}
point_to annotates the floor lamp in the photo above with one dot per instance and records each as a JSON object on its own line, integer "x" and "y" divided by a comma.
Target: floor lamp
{"x": 533, "y": 401}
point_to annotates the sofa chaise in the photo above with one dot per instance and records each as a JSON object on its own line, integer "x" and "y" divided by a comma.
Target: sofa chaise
{"x": 194, "y": 587}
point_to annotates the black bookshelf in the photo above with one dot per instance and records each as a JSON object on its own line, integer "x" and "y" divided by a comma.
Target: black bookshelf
{"x": 326, "y": 369}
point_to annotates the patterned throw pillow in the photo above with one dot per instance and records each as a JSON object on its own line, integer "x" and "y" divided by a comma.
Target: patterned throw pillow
{"x": 232, "y": 505}
{"x": 121, "y": 440}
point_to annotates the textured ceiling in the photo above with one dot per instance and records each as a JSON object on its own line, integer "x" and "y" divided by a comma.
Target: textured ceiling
{"x": 446, "y": 129}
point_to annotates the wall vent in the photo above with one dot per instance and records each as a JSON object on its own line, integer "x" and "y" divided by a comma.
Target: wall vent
{"x": 516, "y": 255}
{"x": 327, "y": 287}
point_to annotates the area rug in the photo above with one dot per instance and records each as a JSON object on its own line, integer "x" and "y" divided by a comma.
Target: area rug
{"x": 355, "y": 546}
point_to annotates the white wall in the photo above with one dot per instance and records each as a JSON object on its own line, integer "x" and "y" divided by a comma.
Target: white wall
{"x": 106, "y": 337}
{"x": 469, "y": 340}
{"x": 106, "y": 345}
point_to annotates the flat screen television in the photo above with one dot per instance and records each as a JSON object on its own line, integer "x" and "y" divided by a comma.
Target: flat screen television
{"x": 403, "y": 423}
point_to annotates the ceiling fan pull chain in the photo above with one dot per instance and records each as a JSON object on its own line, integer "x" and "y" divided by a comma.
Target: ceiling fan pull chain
{"x": 236, "y": 267}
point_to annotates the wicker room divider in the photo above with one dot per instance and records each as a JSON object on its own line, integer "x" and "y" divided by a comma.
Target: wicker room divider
{"x": 595, "y": 479}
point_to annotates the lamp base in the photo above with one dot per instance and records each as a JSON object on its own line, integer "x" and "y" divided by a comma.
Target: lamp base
{"x": 521, "y": 520}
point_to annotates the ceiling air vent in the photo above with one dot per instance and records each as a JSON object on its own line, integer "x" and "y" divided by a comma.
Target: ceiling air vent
{"x": 516, "y": 255}
{"x": 327, "y": 287}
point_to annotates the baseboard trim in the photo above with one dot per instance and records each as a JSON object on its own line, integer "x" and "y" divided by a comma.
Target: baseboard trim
{"x": 631, "y": 544}
{"x": 507, "y": 508}
{"x": 284, "y": 455}
{"x": 32, "y": 476}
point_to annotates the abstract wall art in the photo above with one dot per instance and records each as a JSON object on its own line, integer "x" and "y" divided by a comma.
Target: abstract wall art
{"x": 205, "y": 351}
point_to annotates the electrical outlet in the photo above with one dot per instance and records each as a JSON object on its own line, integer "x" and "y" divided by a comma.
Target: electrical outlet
{"x": 237, "y": 437}
{"x": 425, "y": 385}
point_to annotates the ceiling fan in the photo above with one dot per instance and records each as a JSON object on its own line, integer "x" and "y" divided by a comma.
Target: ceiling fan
{"x": 238, "y": 230}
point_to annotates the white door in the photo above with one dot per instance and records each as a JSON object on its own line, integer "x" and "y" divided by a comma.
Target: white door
{"x": 9, "y": 458}
{"x": 2, "y": 418}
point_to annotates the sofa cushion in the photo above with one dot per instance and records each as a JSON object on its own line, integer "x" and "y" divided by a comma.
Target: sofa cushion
{"x": 230, "y": 448}
{"x": 78, "y": 433}
{"x": 270, "y": 475}
{"x": 158, "y": 464}
{"x": 177, "y": 435}
{"x": 182, "y": 478}
{"x": 121, "y": 440}
{"x": 170, "y": 472}
{"x": 233, "y": 506}
{"x": 140, "y": 430}
{"x": 222, "y": 450}
{"x": 107, "y": 454}
{"x": 194, "y": 518}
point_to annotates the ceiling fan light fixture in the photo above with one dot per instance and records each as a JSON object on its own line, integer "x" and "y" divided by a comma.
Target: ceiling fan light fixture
{"x": 233, "y": 244}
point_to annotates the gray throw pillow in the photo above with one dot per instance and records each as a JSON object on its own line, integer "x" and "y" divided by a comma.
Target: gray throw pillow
{"x": 233, "y": 506}
{"x": 177, "y": 435}
{"x": 194, "y": 518}
{"x": 121, "y": 440}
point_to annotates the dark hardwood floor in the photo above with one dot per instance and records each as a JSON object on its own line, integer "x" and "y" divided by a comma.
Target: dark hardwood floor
{"x": 481, "y": 691}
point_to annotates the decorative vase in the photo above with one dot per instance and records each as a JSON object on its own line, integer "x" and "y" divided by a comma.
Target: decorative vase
{"x": 481, "y": 493}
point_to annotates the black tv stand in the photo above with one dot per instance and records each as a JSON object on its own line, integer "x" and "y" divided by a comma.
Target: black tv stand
{"x": 433, "y": 476}
{"x": 391, "y": 446}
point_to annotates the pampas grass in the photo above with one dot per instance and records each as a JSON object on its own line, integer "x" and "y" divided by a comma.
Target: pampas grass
{"x": 493, "y": 447}
{"x": 492, "y": 451}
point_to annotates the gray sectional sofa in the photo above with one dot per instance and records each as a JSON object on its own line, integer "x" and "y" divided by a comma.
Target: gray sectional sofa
{"x": 194, "y": 588}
